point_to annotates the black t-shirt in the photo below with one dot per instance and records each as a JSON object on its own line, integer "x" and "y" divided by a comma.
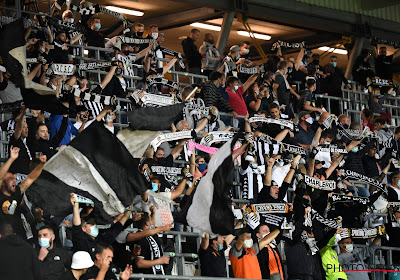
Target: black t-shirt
{"x": 21, "y": 164}
{"x": 148, "y": 253}
{"x": 213, "y": 263}
{"x": 83, "y": 242}
{"x": 94, "y": 270}
{"x": 68, "y": 276}
{"x": 248, "y": 99}
{"x": 11, "y": 211}
{"x": 383, "y": 66}
{"x": 282, "y": 91}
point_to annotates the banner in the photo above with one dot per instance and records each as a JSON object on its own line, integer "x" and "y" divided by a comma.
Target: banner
{"x": 210, "y": 150}
{"x": 61, "y": 69}
{"x": 379, "y": 83}
{"x": 356, "y": 135}
{"x": 276, "y": 208}
{"x": 316, "y": 183}
{"x": 135, "y": 41}
{"x": 363, "y": 233}
{"x": 377, "y": 40}
{"x": 166, "y": 170}
{"x": 346, "y": 174}
{"x": 163, "y": 81}
{"x": 285, "y": 147}
{"x": 101, "y": 99}
{"x": 335, "y": 198}
{"x": 216, "y": 136}
{"x": 332, "y": 223}
{"x": 152, "y": 99}
{"x": 187, "y": 134}
{"x": 331, "y": 149}
{"x": 248, "y": 70}
{"x": 288, "y": 45}
{"x": 282, "y": 123}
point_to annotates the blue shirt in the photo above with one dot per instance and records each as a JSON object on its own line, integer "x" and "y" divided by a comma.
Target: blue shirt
{"x": 304, "y": 137}
{"x": 54, "y": 126}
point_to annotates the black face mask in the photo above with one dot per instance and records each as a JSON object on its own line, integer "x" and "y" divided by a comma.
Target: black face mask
{"x": 126, "y": 52}
{"x": 315, "y": 62}
{"x": 161, "y": 160}
{"x": 118, "y": 71}
{"x": 320, "y": 171}
{"x": 139, "y": 33}
{"x": 211, "y": 42}
{"x": 346, "y": 126}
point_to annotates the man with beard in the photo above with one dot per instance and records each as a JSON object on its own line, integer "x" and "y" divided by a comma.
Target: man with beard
{"x": 10, "y": 196}
{"x": 60, "y": 52}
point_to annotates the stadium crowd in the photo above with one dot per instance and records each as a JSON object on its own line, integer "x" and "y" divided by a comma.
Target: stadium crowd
{"x": 312, "y": 179}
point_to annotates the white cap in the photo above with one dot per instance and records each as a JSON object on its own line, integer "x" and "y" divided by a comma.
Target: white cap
{"x": 81, "y": 260}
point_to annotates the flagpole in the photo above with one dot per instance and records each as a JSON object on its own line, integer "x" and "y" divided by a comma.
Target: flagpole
{"x": 190, "y": 95}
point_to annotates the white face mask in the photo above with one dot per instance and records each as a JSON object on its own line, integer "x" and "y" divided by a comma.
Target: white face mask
{"x": 236, "y": 87}
{"x": 245, "y": 51}
{"x": 248, "y": 243}
{"x": 70, "y": 20}
{"x": 349, "y": 248}
{"x": 310, "y": 120}
{"x": 53, "y": 86}
{"x": 154, "y": 35}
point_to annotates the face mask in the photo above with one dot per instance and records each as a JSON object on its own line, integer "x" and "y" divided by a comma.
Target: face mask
{"x": 108, "y": 118}
{"x": 237, "y": 58}
{"x": 286, "y": 72}
{"x": 154, "y": 35}
{"x": 236, "y": 87}
{"x": 211, "y": 42}
{"x": 220, "y": 247}
{"x": 161, "y": 160}
{"x": 94, "y": 231}
{"x": 219, "y": 85}
{"x": 97, "y": 26}
{"x": 398, "y": 183}
{"x": 320, "y": 171}
{"x": 313, "y": 245}
{"x": 327, "y": 143}
{"x": 70, "y": 20}
{"x": 334, "y": 64}
{"x": 202, "y": 167}
{"x": 248, "y": 243}
{"x": 304, "y": 236}
{"x": 245, "y": 51}
{"x": 309, "y": 120}
{"x": 349, "y": 248}
{"x": 151, "y": 227}
{"x": 154, "y": 187}
{"x": 44, "y": 242}
{"x": 257, "y": 93}
{"x": 279, "y": 163}
{"x": 289, "y": 70}
{"x": 118, "y": 71}
{"x": 139, "y": 33}
{"x": 254, "y": 165}
{"x": 126, "y": 52}
{"x": 354, "y": 150}
{"x": 42, "y": 50}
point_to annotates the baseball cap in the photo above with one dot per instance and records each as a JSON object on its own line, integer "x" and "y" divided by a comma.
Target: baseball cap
{"x": 81, "y": 260}
{"x": 303, "y": 113}
{"x": 234, "y": 48}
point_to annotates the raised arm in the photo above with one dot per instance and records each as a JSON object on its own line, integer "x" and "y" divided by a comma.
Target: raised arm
{"x": 268, "y": 239}
{"x": 76, "y": 216}
{"x": 169, "y": 65}
{"x": 35, "y": 173}
{"x": 107, "y": 78}
{"x": 178, "y": 191}
{"x": 144, "y": 52}
{"x": 19, "y": 124}
{"x": 299, "y": 58}
{"x": 205, "y": 241}
{"x": 249, "y": 82}
{"x": 134, "y": 236}
{"x": 178, "y": 149}
{"x": 268, "y": 172}
{"x": 14, "y": 152}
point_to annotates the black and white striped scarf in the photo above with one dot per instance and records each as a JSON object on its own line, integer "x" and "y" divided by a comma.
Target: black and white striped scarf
{"x": 335, "y": 198}
{"x": 357, "y": 176}
{"x": 281, "y": 122}
{"x": 363, "y": 233}
{"x": 288, "y": 45}
{"x": 332, "y": 223}
{"x": 325, "y": 185}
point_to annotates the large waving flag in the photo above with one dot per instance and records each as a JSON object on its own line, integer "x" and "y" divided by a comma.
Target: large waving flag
{"x": 13, "y": 57}
{"x": 95, "y": 165}
{"x": 210, "y": 209}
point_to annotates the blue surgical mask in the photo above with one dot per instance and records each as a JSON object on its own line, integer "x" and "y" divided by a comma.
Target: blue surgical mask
{"x": 219, "y": 85}
{"x": 238, "y": 57}
{"x": 44, "y": 242}
{"x": 398, "y": 183}
{"x": 257, "y": 93}
{"x": 334, "y": 64}
{"x": 280, "y": 163}
{"x": 327, "y": 143}
{"x": 254, "y": 165}
{"x": 94, "y": 231}
{"x": 354, "y": 150}
{"x": 97, "y": 26}
{"x": 220, "y": 247}
{"x": 151, "y": 227}
{"x": 154, "y": 187}
{"x": 236, "y": 87}
{"x": 286, "y": 72}
{"x": 202, "y": 167}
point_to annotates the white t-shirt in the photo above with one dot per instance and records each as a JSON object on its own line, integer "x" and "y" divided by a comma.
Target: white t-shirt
{"x": 110, "y": 128}
{"x": 163, "y": 214}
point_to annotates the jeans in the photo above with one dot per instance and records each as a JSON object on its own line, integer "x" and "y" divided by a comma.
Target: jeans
{"x": 358, "y": 191}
